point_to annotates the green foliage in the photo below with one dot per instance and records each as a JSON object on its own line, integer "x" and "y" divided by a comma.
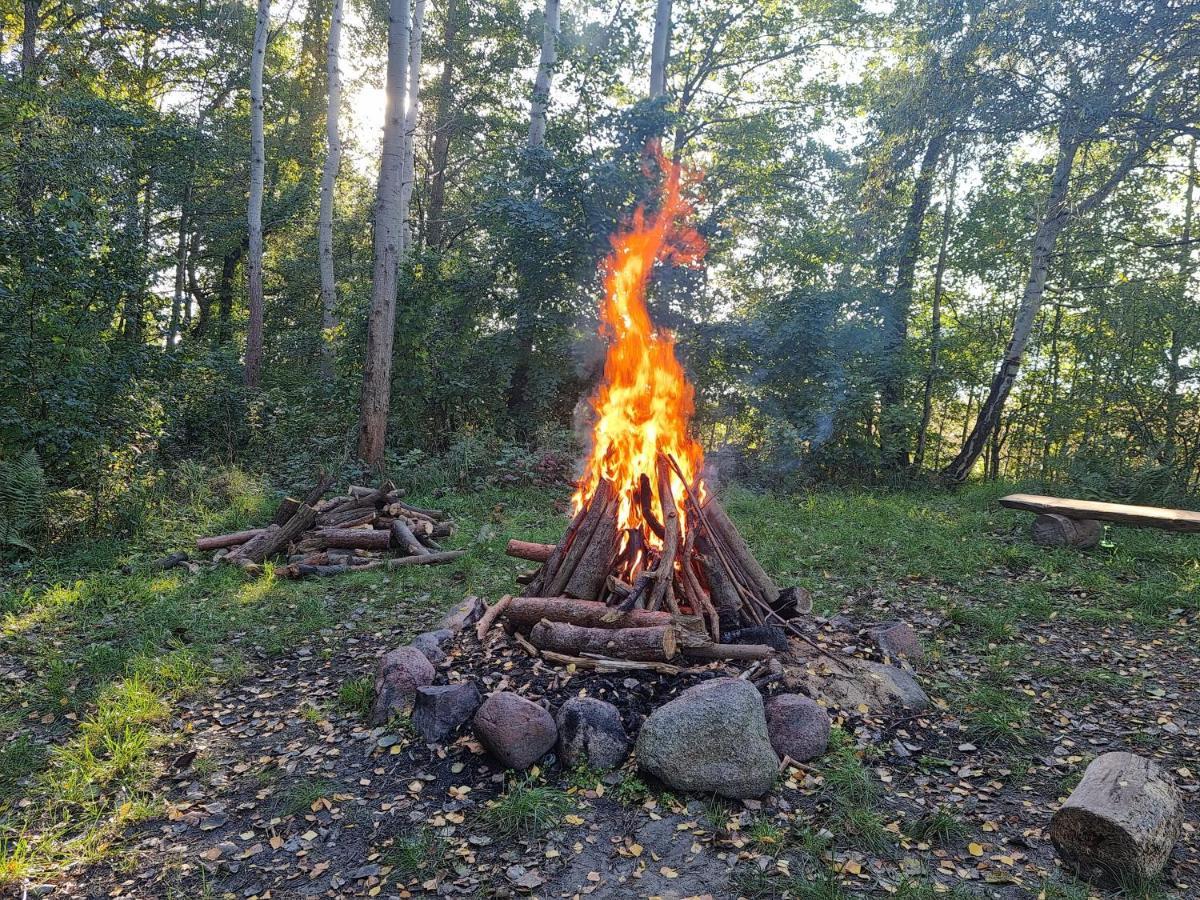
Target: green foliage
{"x": 414, "y": 854}
{"x": 22, "y": 499}
{"x": 526, "y": 809}
{"x": 356, "y": 695}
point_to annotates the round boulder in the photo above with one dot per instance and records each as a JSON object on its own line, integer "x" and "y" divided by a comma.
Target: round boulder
{"x": 516, "y": 731}
{"x": 798, "y": 727}
{"x": 897, "y": 639}
{"x": 401, "y": 672}
{"x": 711, "y": 739}
{"x": 590, "y": 733}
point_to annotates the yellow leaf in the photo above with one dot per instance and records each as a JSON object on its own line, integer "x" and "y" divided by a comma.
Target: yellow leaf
{"x": 668, "y": 872}
{"x": 975, "y": 849}
{"x": 573, "y": 820}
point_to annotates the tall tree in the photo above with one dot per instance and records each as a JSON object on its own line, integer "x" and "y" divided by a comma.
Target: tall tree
{"x": 660, "y": 48}
{"x": 252, "y": 373}
{"x": 443, "y": 130}
{"x": 381, "y": 320}
{"x": 545, "y": 71}
{"x": 329, "y": 173}
{"x": 408, "y": 176}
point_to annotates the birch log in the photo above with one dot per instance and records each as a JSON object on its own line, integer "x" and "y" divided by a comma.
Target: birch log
{"x": 333, "y": 161}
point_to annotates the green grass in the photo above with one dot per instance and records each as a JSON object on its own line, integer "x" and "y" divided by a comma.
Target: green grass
{"x": 526, "y": 809}
{"x": 415, "y": 854}
{"x": 355, "y": 696}
{"x": 116, "y": 651}
{"x": 299, "y": 798}
{"x": 939, "y": 826}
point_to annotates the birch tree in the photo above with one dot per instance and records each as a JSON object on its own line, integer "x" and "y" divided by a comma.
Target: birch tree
{"x": 333, "y": 161}
{"x": 660, "y": 48}
{"x": 252, "y": 373}
{"x": 545, "y": 71}
{"x": 408, "y": 177}
{"x": 381, "y": 320}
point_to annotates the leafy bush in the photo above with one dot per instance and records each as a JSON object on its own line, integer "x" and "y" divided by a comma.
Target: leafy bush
{"x": 22, "y": 499}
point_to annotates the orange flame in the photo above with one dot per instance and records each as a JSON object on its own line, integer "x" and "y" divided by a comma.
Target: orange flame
{"x": 645, "y": 403}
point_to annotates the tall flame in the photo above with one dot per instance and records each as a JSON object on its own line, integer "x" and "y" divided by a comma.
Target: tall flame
{"x": 645, "y": 403}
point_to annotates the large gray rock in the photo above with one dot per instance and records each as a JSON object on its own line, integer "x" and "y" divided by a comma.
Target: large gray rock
{"x": 433, "y": 644}
{"x": 590, "y": 733}
{"x": 711, "y": 739}
{"x": 516, "y": 731}
{"x": 401, "y": 672}
{"x": 850, "y": 683}
{"x": 896, "y": 640}
{"x": 440, "y": 709}
{"x": 798, "y": 727}
{"x": 1120, "y": 822}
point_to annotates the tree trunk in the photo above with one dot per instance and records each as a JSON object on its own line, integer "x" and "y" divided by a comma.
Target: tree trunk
{"x": 935, "y": 324}
{"x": 333, "y": 161}
{"x": 1178, "y": 332}
{"x": 31, "y": 11}
{"x": 542, "y": 81}
{"x": 893, "y": 437}
{"x": 252, "y": 373}
{"x": 660, "y": 51}
{"x": 181, "y": 255}
{"x": 408, "y": 176}
{"x": 229, "y": 265}
{"x": 1053, "y": 220}
{"x": 381, "y": 321}
{"x": 443, "y": 131}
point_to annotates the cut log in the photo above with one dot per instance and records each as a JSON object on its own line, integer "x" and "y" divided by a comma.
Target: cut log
{"x": 250, "y": 553}
{"x": 1053, "y": 530}
{"x": 402, "y": 536}
{"x": 354, "y": 538}
{"x": 655, "y": 643}
{"x": 285, "y": 510}
{"x": 1120, "y": 822}
{"x": 528, "y": 611}
{"x": 169, "y": 561}
{"x": 1146, "y": 516}
{"x": 729, "y": 651}
{"x": 348, "y": 516}
{"x": 216, "y": 542}
{"x": 664, "y": 572}
{"x": 435, "y": 515}
{"x": 724, "y": 593}
{"x": 550, "y": 566}
{"x": 529, "y": 550}
{"x": 429, "y": 559}
{"x": 318, "y": 490}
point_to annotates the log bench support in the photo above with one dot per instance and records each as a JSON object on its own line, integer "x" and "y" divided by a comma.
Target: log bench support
{"x": 1054, "y": 530}
{"x": 1062, "y": 522}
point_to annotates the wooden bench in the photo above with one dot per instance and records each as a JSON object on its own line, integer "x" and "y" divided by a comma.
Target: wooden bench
{"x": 1076, "y": 523}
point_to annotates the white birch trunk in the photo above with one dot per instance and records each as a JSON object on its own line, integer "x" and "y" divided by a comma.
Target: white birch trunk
{"x": 545, "y": 73}
{"x": 660, "y": 49}
{"x": 254, "y": 333}
{"x": 408, "y": 177}
{"x": 333, "y": 161}
{"x": 381, "y": 320}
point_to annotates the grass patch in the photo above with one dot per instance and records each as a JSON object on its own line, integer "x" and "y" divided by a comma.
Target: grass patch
{"x": 300, "y": 797}
{"x": 526, "y": 809}
{"x": 415, "y": 854}
{"x": 356, "y": 696}
{"x": 939, "y": 826}
{"x": 997, "y": 717}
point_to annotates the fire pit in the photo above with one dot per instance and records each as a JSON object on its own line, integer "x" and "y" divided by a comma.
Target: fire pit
{"x": 648, "y": 536}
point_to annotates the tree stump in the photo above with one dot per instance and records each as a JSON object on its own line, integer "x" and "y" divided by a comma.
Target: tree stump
{"x": 1054, "y": 530}
{"x": 1120, "y": 822}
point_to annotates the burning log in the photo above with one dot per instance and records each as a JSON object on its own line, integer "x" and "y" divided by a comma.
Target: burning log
{"x": 529, "y": 550}
{"x": 655, "y": 643}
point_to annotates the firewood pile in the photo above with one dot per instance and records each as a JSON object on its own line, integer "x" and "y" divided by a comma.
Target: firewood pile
{"x": 684, "y": 585}
{"x": 367, "y": 528}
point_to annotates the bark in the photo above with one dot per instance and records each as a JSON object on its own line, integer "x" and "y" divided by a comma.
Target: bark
{"x": 591, "y": 572}
{"x": 355, "y": 538}
{"x": 381, "y": 320}
{"x": 402, "y": 536}
{"x": 1178, "y": 333}
{"x": 226, "y": 540}
{"x": 408, "y": 176}
{"x": 285, "y": 510}
{"x": 274, "y": 539}
{"x": 488, "y": 619}
{"x": 333, "y": 161}
{"x": 893, "y": 437}
{"x": 1120, "y": 822}
{"x": 935, "y": 324}
{"x": 181, "y": 258}
{"x": 734, "y": 544}
{"x": 1053, "y": 530}
{"x": 429, "y": 559}
{"x": 529, "y": 550}
{"x": 528, "y": 611}
{"x": 252, "y": 374}
{"x": 655, "y": 643}
{"x": 660, "y": 48}
{"x": 542, "y": 81}
{"x": 229, "y": 264}
{"x": 730, "y": 651}
{"x": 31, "y": 12}
{"x": 443, "y": 132}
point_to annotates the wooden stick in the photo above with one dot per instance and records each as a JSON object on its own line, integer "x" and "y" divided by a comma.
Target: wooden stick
{"x": 604, "y": 664}
{"x": 276, "y": 539}
{"x": 550, "y": 568}
{"x": 355, "y": 538}
{"x": 529, "y": 550}
{"x": 216, "y": 542}
{"x": 580, "y": 540}
{"x": 655, "y": 643}
{"x": 429, "y": 559}
{"x": 592, "y": 569}
{"x": 665, "y": 571}
{"x": 435, "y": 515}
{"x": 489, "y": 618}
{"x": 729, "y": 651}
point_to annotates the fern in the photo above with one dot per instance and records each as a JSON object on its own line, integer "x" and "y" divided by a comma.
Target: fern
{"x": 22, "y": 499}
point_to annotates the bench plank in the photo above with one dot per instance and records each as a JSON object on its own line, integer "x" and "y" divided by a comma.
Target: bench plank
{"x": 1146, "y": 516}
